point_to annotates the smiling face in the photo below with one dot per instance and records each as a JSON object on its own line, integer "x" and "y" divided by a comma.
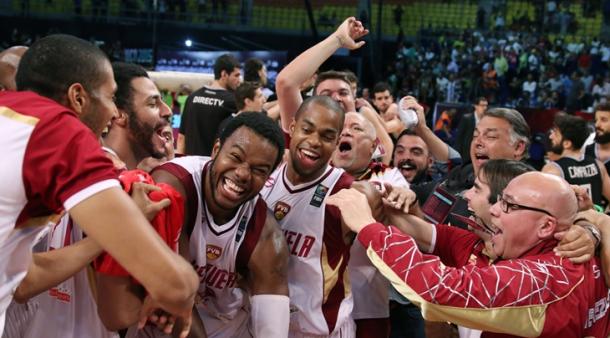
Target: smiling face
{"x": 533, "y": 206}
{"x": 478, "y": 201}
{"x": 492, "y": 140}
{"x": 314, "y": 138}
{"x": 356, "y": 144}
{"x": 515, "y": 230}
{"x": 148, "y": 119}
{"x": 101, "y": 108}
{"x": 411, "y": 157}
{"x": 239, "y": 170}
{"x": 339, "y": 91}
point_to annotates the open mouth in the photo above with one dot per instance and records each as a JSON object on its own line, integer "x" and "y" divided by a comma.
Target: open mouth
{"x": 344, "y": 147}
{"x": 235, "y": 191}
{"x": 481, "y": 157}
{"x": 307, "y": 157}
{"x": 407, "y": 166}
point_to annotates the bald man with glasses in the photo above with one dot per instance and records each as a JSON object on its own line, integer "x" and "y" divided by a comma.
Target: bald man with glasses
{"x": 527, "y": 292}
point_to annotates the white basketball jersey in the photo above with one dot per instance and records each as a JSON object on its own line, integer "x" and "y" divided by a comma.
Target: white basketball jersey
{"x": 68, "y": 309}
{"x": 219, "y": 252}
{"x": 369, "y": 287}
{"x": 320, "y": 295}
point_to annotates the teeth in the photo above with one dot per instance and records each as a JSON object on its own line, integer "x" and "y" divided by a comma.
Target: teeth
{"x": 309, "y": 153}
{"x": 232, "y": 186}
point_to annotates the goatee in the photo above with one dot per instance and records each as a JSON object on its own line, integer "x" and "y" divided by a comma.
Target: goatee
{"x": 603, "y": 138}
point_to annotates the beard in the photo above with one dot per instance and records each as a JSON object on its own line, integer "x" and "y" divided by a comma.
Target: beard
{"x": 420, "y": 174}
{"x": 143, "y": 134}
{"x": 557, "y": 149}
{"x": 602, "y": 138}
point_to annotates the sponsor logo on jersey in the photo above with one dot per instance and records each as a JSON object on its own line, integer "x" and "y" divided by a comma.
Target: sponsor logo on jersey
{"x": 318, "y": 196}
{"x": 212, "y": 252}
{"x": 281, "y": 210}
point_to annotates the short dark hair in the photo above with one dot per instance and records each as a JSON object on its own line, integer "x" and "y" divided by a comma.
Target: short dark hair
{"x": 603, "y": 107}
{"x": 322, "y": 100}
{"x": 251, "y": 68}
{"x": 479, "y": 99}
{"x": 520, "y": 129}
{"x": 404, "y": 132}
{"x": 54, "y": 63}
{"x": 330, "y": 75}
{"x": 572, "y": 128}
{"x": 226, "y": 62}
{"x": 124, "y": 73}
{"x": 351, "y": 77}
{"x": 246, "y": 90}
{"x": 260, "y": 124}
{"x": 381, "y": 87}
{"x": 500, "y": 172}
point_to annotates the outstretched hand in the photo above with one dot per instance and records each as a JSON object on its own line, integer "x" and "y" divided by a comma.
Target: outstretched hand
{"x": 350, "y": 31}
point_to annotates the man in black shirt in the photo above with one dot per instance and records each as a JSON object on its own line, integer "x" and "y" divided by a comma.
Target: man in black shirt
{"x": 567, "y": 137}
{"x": 207, "y": 107}
{"x": 601, "y": 148}
{"x": 463, "y": 136}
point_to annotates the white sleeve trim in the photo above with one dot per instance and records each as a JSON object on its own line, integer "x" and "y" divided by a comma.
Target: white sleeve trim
{"x": 432, "y": 240}
{"x": 90, "y": 191}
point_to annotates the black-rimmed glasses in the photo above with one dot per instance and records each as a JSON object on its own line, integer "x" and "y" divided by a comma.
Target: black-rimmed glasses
{"x": 506, "y": 206}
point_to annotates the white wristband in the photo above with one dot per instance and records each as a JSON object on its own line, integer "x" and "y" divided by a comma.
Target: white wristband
{"x": 270, "y": 315}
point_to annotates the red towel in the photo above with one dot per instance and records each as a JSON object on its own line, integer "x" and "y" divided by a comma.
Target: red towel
{"x": 167, "y": 223}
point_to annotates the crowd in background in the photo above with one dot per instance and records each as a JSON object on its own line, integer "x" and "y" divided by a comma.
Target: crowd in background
{"x": 511, "y": 69}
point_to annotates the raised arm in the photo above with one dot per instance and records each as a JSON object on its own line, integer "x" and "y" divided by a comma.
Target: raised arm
{"x": 384, "y": 138}
{"x": 268, "y": 282}
{"x": 438, "y": 148}
{"x": 305, "y": 65}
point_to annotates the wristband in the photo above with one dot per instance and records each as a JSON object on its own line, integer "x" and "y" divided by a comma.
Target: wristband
{"x": 593, "y": 230}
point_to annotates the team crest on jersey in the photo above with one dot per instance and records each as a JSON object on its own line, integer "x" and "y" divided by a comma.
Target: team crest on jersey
{"x": 318, "y": 196}
{"x": 212, "y": 252}
{"x": 281, "y": 210}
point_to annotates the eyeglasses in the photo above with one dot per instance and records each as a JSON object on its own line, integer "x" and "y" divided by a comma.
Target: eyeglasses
{"x": 506, "y": 206}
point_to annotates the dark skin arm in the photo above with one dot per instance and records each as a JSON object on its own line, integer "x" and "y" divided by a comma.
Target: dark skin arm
{"x": 161, "y": 176}
{"x": 268, "y": 265}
